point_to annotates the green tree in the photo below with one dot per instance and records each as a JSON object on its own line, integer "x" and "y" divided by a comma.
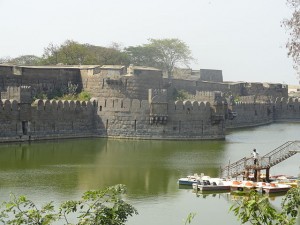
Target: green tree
{"x": 257, "y": 209}
{"x": 20, "y": 210}
{"x": 170, "y": 53}
{"x": 28, "y": 60}
{"x": 142, "y": 55}
{"x": 74, "y": 53}
{"x": 165, "y": 54}
{"x": 51, "y": 55}
{"x": 94, "y": 208}
{"x": 108, "y": 56}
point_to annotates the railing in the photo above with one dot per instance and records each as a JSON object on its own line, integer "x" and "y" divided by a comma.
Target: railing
{"x": 274, "y": 157}
{"x": 280, "y": 154}
{"x": 231, "y": 169}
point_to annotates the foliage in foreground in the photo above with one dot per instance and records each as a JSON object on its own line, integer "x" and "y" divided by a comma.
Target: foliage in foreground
{"x": 95, "y": 207}
{"x": 257, "y": 209}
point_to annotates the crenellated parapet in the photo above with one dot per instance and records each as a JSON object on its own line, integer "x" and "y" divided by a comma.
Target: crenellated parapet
{"x": 70, "y": 105}
{"x": 9, "y": 106}
{"x": 122, "y": 104}
{"x": 192, "y": 106}
{"x": 135, "y": 107}
{"x": 287, "y": 108}
{"x": 249, "y": 106}
{"x": 286, "y": 100}
{"x": 205, "y": 93}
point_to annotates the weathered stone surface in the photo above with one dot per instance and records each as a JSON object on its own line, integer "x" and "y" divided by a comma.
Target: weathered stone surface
{"x": 121, "y": 107}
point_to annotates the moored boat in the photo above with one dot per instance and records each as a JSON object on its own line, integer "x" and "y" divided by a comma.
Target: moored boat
{"x": 212, "y": 184}
{"x": 270, "y": 188}
{"x": 293, "y": 181}
{"x": 242, "y": 187}
{"x": 189, "y": 180}
{"x": 211, "y": 187}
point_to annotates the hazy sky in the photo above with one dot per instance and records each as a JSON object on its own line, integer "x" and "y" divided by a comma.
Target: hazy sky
{"x": 244, "y": 38}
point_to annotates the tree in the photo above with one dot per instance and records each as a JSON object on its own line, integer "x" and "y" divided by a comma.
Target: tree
{"x": 293, "y": 26}
{"x": 95, "y": 208}
{"x": 165, "y": 54}
{"x": 108, "y": 56}
{"x": 142, "y": 55}
{"x": 28, "y": 60}
{"x": 5, "y": 59}
{"x": 50, "y": 55}
{"x": 74, "y": 53}
{"x": 69, "y": 53}
{"x": 258, "y": 211}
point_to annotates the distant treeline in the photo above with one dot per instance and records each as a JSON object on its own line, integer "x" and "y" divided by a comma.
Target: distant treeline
{"x": 164, "y": 54}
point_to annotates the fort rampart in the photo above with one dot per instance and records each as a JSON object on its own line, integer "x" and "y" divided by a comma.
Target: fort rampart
{"x": 133, "y": 118}
{"x": 122, "y": 107}
{"x": 286, "y": 109}
{"x": 118, "y": 118}
{"x": 251, "y": 114}
{"x": 46, "y": 119}
{"x": 136, "y": 119}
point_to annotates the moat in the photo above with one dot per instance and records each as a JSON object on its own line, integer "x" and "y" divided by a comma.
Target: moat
{"x": 62, "y": 170}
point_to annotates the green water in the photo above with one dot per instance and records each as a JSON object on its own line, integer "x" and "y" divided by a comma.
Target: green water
{"x": 63, "y": 170}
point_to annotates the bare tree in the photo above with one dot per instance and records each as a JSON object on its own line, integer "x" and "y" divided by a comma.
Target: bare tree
{"x": 293, "y": 26}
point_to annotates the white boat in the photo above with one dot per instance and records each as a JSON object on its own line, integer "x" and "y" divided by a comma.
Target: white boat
{"x": 207, "y": 183}
{"x": 242, "y": 187}
{"x": 270, "y": 188}
{"x": 189, "y": 180}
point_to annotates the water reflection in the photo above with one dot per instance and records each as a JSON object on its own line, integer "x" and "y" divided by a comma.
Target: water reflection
{"x": 97, "y": 163}
{"x": 63, "y": 170}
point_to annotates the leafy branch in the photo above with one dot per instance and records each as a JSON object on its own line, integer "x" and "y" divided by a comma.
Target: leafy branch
{"x": 257, "y": 209}
{"x": 94, "y": 208}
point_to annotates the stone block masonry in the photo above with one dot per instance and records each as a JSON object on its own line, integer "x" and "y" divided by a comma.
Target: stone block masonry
{"x": 118, "y": 118}
{"x": 132, "y": 118}
{"x": 251, "y": 114}
{"x": 286, "y": 109}
{"x": 123, "y": 106}
{"x": 46, "y": 120}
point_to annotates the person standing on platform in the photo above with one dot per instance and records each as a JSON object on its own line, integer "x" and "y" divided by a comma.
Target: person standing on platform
{"x": 255, "y": 156}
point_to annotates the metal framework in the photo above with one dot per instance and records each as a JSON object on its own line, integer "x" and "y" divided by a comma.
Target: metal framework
{"x": 244, "y": 165}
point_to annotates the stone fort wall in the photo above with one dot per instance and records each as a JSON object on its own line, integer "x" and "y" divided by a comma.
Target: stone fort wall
{"x": 46, "y": 119}
{"x": 123, "y": 109}
{"x": 118, "y": 118}
{"x": 118, "y": 86}
{"x": 286, "y": 109}
{"x": 250, "y": 114}
{"x": 105, "y": 83}
{"x": 133, "y": 119}
{"x": 42, "y": 79}
{"x": 100, "y": 83}
{"x": 230, "y": 88}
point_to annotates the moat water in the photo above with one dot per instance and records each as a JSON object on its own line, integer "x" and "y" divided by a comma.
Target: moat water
{"x": 63, "y": 170}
